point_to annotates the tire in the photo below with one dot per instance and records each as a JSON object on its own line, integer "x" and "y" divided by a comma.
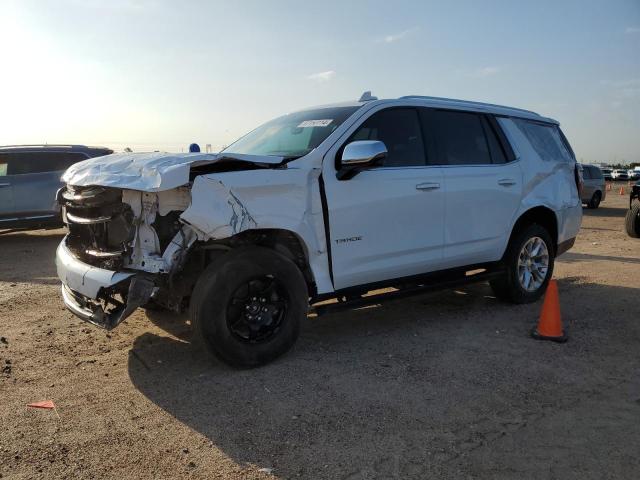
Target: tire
{"x": 595, "y": 200}
{"x": 509, "y": 287}
{"x": 230, "y": 297}
{"x": 632, "y": 220}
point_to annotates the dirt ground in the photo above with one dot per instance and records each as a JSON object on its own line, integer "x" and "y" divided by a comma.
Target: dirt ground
{"x": 444, "y": 385}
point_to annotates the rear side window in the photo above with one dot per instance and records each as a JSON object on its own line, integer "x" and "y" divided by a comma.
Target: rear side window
{"x": 546, "y": 140}
{"x": 462, "y": 138}
{"x": 595, "y": 173}
{"x": 399, "y": 129}
{"x": 586, "y": 173}
{"x": 39, "y": 162}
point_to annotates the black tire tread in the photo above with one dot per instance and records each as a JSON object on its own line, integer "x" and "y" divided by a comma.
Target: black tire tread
{"x": 632, "y": 220}
{"x": 596, "y": 198}
{"x": 216, "y": 277}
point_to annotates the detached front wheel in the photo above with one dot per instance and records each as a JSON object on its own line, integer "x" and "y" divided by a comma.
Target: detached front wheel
{"x": 247, "y": 306}
{"x": 528, "y": 262}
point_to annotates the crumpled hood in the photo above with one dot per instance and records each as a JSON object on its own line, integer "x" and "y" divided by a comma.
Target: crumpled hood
{"x": 149, "y": 172}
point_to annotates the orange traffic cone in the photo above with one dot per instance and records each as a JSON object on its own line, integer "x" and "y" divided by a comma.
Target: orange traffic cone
{"x": 621, "y": 190}
{"x": 550, "y": 323}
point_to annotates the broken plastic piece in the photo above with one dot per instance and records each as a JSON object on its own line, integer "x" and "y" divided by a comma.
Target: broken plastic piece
{"x": 48, "y": 404}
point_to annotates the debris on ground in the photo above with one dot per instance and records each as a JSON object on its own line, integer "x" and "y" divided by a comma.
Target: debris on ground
{"x": 48, "y": 404}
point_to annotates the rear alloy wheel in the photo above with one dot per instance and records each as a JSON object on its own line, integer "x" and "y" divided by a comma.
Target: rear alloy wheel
{"x": 528, "y": 265}
{"x": 595, "y": 200}
{"x": 533, "y": 264}
{"x": 632, "y": 220}
{"x": 247, "y": 306}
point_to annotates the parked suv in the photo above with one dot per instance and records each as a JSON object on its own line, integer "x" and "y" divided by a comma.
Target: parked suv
{"x": 29, "y": 179}
{"x": 593, "y": 190}
{"x": 332, "y": 202}
{"x": 620, "y": 174}
{"x": 607, "y": 173}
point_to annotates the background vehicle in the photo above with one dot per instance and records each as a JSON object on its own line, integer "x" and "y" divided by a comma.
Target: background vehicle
{"x": 29, "y": 179}
{"x": 413, "y": 193}
{"x": 593, "y": 189}
{"x": 620, "y": 174}
{"x": 633, "y": 174}
{"x": 606, "y": 173}
{"x": 632, "y": 219}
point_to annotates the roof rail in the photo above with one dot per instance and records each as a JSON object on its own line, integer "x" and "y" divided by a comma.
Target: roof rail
{"x": 48, "y": 145}
{"x": 480, "y": 104}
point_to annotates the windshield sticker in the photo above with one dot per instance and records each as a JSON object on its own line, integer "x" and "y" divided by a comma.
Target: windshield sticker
{"x": 315, "y": 123}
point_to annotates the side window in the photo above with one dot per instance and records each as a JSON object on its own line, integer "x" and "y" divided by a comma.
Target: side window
{"x": 4, "y": 162}
{"x": 459, "y": 138}
{"x": 20, "y": 163}
{"x": 399, "y": 129}
{"x": 39, "y": 162}
{"x": 586, "y": 173}
{"x": 596, "y": 173}
{"x": 495, "y": 148}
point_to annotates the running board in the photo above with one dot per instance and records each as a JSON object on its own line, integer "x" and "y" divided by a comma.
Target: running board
{"x": 349, "y": 301}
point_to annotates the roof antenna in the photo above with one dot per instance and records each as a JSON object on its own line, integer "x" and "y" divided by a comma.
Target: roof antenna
{"x": 367, "y": 97}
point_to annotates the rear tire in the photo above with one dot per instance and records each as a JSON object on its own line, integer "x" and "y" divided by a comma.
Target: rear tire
{"x": 595, "y": 200}
{"x": 510, "y": 287}
{"x": 632, "y": 220}
{"x": 247, "y": 306}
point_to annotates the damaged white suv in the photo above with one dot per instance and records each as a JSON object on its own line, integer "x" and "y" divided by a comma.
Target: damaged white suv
{"x": 331, "y": 202}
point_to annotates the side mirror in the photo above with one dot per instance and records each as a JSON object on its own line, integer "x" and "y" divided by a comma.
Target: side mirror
{"x": 359, "y": 155}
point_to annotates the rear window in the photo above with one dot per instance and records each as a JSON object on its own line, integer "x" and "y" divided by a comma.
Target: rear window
{"x": 546, "y": 139}
{"x": 21, "y": 163}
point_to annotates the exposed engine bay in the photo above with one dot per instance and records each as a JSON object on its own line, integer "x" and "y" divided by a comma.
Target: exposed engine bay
{"x": 123, "y": 230}
{"x": 113, "y": 228}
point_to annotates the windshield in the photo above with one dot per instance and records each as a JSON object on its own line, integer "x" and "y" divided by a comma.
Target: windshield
{"x": 292, "y": 135}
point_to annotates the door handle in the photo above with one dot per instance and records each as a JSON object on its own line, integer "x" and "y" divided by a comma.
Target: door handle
{"x": 5, "y": 185}
{"x": 506, "y": 182}
{"x": 427, "y": 186}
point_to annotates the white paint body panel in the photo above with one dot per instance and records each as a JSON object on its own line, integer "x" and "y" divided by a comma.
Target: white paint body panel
{"x": 398, "y": 228}
{"x": 224, "y": 204}
{"x": 481, "y": 203}
{"x": 404, "y": 231}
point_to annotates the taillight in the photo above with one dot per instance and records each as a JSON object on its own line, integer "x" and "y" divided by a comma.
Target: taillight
{"x": 579, "y": 180}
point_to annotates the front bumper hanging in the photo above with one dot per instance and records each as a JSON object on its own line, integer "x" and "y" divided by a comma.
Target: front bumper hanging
{"x": 102, "y": 297}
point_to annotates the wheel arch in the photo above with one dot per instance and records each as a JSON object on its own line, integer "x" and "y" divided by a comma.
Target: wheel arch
{"x": 286, "y": 242}
{"x": 540, "y": 215}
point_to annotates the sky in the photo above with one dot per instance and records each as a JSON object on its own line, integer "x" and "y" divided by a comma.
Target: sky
{"x": 152, "y": 74}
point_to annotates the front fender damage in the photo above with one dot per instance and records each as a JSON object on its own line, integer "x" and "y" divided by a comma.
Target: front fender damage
{"x": 215, "y": 211}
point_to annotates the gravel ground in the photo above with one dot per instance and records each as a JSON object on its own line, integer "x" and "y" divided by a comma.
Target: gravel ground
{"x": 445, "y": 385}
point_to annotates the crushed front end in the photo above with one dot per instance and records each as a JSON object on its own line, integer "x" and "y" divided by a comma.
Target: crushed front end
{"x": 123, "y": 247}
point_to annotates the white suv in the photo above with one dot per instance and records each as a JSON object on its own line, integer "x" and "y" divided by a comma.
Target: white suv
{"x": 330, "y": 202}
